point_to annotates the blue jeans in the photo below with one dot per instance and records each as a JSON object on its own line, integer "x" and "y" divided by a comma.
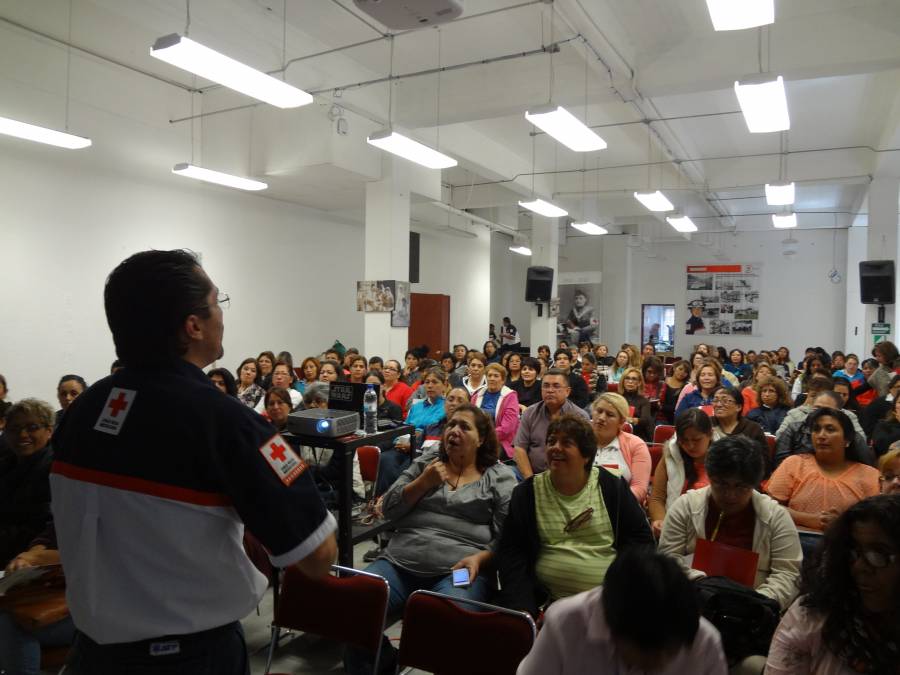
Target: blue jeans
{"x": 402, "y": 584}
{"x": 391, "y": 464}
{"x": 20, "y": 650}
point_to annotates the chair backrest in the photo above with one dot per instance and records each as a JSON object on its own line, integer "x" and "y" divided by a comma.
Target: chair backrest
{"x": 656, "y": 453}
{"x": 350, "y": 609}
{"x": 368, "y": 456}
{"x": 627, "y": 428}
{"x": 771, "y": 440}
{"x": 492, "y": 640}
{"x": 612, "y": 387}
{"x": 663, "y": 432}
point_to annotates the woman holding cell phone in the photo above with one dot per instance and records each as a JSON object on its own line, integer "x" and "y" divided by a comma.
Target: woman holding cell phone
{"x": 448, "y": 508}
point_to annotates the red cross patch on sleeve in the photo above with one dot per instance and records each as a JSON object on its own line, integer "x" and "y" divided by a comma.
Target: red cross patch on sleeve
{"x": 283, "y": 460}
{"x": 118, "y": 405}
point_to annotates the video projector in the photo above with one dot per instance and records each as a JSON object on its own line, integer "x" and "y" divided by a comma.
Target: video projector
{"x": 319, "y": 422}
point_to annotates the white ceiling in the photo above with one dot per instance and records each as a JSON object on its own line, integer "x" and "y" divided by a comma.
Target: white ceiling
{"x": 619, "y": 63}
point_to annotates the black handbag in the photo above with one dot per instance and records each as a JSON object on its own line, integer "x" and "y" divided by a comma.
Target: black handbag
{"x": 745, "y": 619}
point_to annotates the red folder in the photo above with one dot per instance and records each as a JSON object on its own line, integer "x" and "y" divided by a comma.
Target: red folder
{"x": 722, "y": 560}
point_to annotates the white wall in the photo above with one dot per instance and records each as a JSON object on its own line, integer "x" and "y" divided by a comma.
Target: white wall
{"x": 799, "y": 306}
{"x": 289, "y": 271}
{"x": 461, "y": 268}
{"x": 507, "y": 288}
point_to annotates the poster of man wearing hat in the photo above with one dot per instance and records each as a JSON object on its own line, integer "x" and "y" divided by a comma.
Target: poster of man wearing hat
{"x": 695, "y": 325}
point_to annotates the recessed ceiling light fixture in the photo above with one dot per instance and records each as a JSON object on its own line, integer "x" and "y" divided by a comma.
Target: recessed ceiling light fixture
{"x": 681, "y": 223}
{"x": 184, "y": 53}
{"x": 740, "y": 14}
{"x": 521, "y": 250}
{"x": 779, "y": 194}
{"x": 655, "y": 201}
{"x": 32, "y": 132}
{"x": 784, "y": 221}
{"x": 566, "y": 128}
{"x": 543, "y": 208}
{"x": 763, "y": 103}
{"x": 210, "y": 176}
{"x": 590, "y": 228}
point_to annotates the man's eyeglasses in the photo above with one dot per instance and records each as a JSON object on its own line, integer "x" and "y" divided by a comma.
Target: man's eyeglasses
{"x": 723, "y": 401}
{"x": 875, "y": 559}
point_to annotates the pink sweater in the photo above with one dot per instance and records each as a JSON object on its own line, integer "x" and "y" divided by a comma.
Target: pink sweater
{"x": 506, "y": 418}
{"x": 637, "y": 457}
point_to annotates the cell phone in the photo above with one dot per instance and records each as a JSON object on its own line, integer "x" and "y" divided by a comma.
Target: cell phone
{"x": 461, "y": 577}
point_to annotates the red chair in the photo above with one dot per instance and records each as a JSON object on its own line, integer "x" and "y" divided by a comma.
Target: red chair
{"x": 663, "y": 432}
{"x": 656, "y": 453}
{"x": 350, "y": 609}
{"x": 492, "y": 641}
{"x": 627, "y": 428}
{"x": 368, "y": 456}
{"x": 771, "y": 440}
{"x": 612, "y": 387}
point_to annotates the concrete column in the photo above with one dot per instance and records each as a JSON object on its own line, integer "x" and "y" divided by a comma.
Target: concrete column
{"x": 881, "y": 244}
{"x": 855, "y": 336}
{"x": 545, "y": 252}
{"x": 387, "y": 253}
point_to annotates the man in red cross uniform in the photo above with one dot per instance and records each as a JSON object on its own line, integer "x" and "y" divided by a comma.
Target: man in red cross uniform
{"x": 156, "y": 473}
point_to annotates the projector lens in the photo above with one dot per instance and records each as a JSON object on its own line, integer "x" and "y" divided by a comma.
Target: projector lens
{"x": 322, "y": 426}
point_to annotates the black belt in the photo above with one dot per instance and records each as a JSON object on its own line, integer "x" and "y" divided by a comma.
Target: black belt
{"x": 159, "y": 646}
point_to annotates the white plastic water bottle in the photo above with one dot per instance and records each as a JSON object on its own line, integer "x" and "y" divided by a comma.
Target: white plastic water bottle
{"x": 370, "y": 410}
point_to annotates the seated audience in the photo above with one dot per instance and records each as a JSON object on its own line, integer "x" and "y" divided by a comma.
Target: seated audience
{"x": 566, "y": 525}
{"x": 887, "y": 430}
{"x": 818, "y": 486}
{"x": 842, "y": 387}
{"x": 845, "y": 620}
{"x": 761, "y": 371}
{"x": 278, "y": 404}
{"x": 530, "y": 444}
{"x": 266, "y": 363}
{"x": 20, "y": 646}
{"x": 430, "y": 409}
{"x": 490, "y": 352}
{"x": 730, "y": 511}
{"x": 410, "y": 374}
{"x": 601, "y": 351}
{"x": 223, "y": 381}
{"x": 24, "y": 476}
{"x": 795, "y": 437}
{"x": 513, "y": 368}
{"x": 653, "y": 373}
{"x": 528, "y": 386}
{"x": 622, "y": 454}
{"x": 387, "y": 410}
{"x": 474, "y": 382}
{"x": 774, "y": 404}
{"x": 683, "y": 464}
{"x": 248, "y": 391}
{"x": 309, "y": 370}
{"x": 674, "y": 383}
{"x": 376, "y": 363}
{"x": 331, "y": 371}
{"x": 395, "y": 389}
{"x": 727, "y": 406}
{"x": 640, "y": 414}
{"x": 709, "y": 379}
{"x": 851, "y": 370}
{"x": 69, "y": 388}
{"x": 593, "y": 379}
{"x": 644, "y": 619}
{"x": 736, "y": 364}
{"x": 885, "y": 353}
{"x": 889, "y": 467}
{"x": 283, "y": 376}
{"x": 578, "y": 391}
{"x": 359, "y": 366}
{"x": 448, "y": 508}
{"x": 619, "y": 365}
{"x": 502, "y": 404}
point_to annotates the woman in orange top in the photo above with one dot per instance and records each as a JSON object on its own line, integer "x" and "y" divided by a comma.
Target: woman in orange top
{"x": 817, "y": 488}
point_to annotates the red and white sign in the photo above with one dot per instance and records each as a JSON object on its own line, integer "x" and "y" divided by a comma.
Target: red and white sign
{"x": 283, "y": 460}
{"x": 116, "y": 409}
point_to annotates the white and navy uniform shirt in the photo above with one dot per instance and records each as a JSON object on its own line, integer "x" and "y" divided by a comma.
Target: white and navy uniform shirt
{"x": 155, "y": 474}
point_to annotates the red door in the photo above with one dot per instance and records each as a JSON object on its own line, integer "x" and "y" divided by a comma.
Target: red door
{"x": 429, "y": 323}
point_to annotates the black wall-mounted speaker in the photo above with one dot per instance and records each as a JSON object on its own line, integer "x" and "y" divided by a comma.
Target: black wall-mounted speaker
{"x": 876, "y": 282}
{"x": 538, "y": 284}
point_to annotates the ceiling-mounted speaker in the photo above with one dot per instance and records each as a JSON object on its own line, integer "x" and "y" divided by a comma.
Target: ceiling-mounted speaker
{"x": 876, "y": 282}
{"x": 406, "y": 14}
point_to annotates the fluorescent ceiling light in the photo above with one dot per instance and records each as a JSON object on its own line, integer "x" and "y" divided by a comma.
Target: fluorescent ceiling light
{"x": 402, "y": 146}
{"x": 566, "y": 128}
{"x": 740, "y": 14}
{"x": 763, "y": 103}
{"x": 590, "y": 228}
{"x": 655, "y": 201}
{"x": 543, "y": 208}
{"x": 198, "y": 172}
{"x": 30, "y": 132}
{"x": 186, "y": 54}
{"x": 682, "y": 223}
{"x": 783, "y": 221}
{"x": 521, "y": 250}
{"x": 779, "y": 194}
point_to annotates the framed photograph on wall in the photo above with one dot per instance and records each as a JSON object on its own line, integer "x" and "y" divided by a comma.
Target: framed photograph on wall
{"x": 400, "y": 313}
